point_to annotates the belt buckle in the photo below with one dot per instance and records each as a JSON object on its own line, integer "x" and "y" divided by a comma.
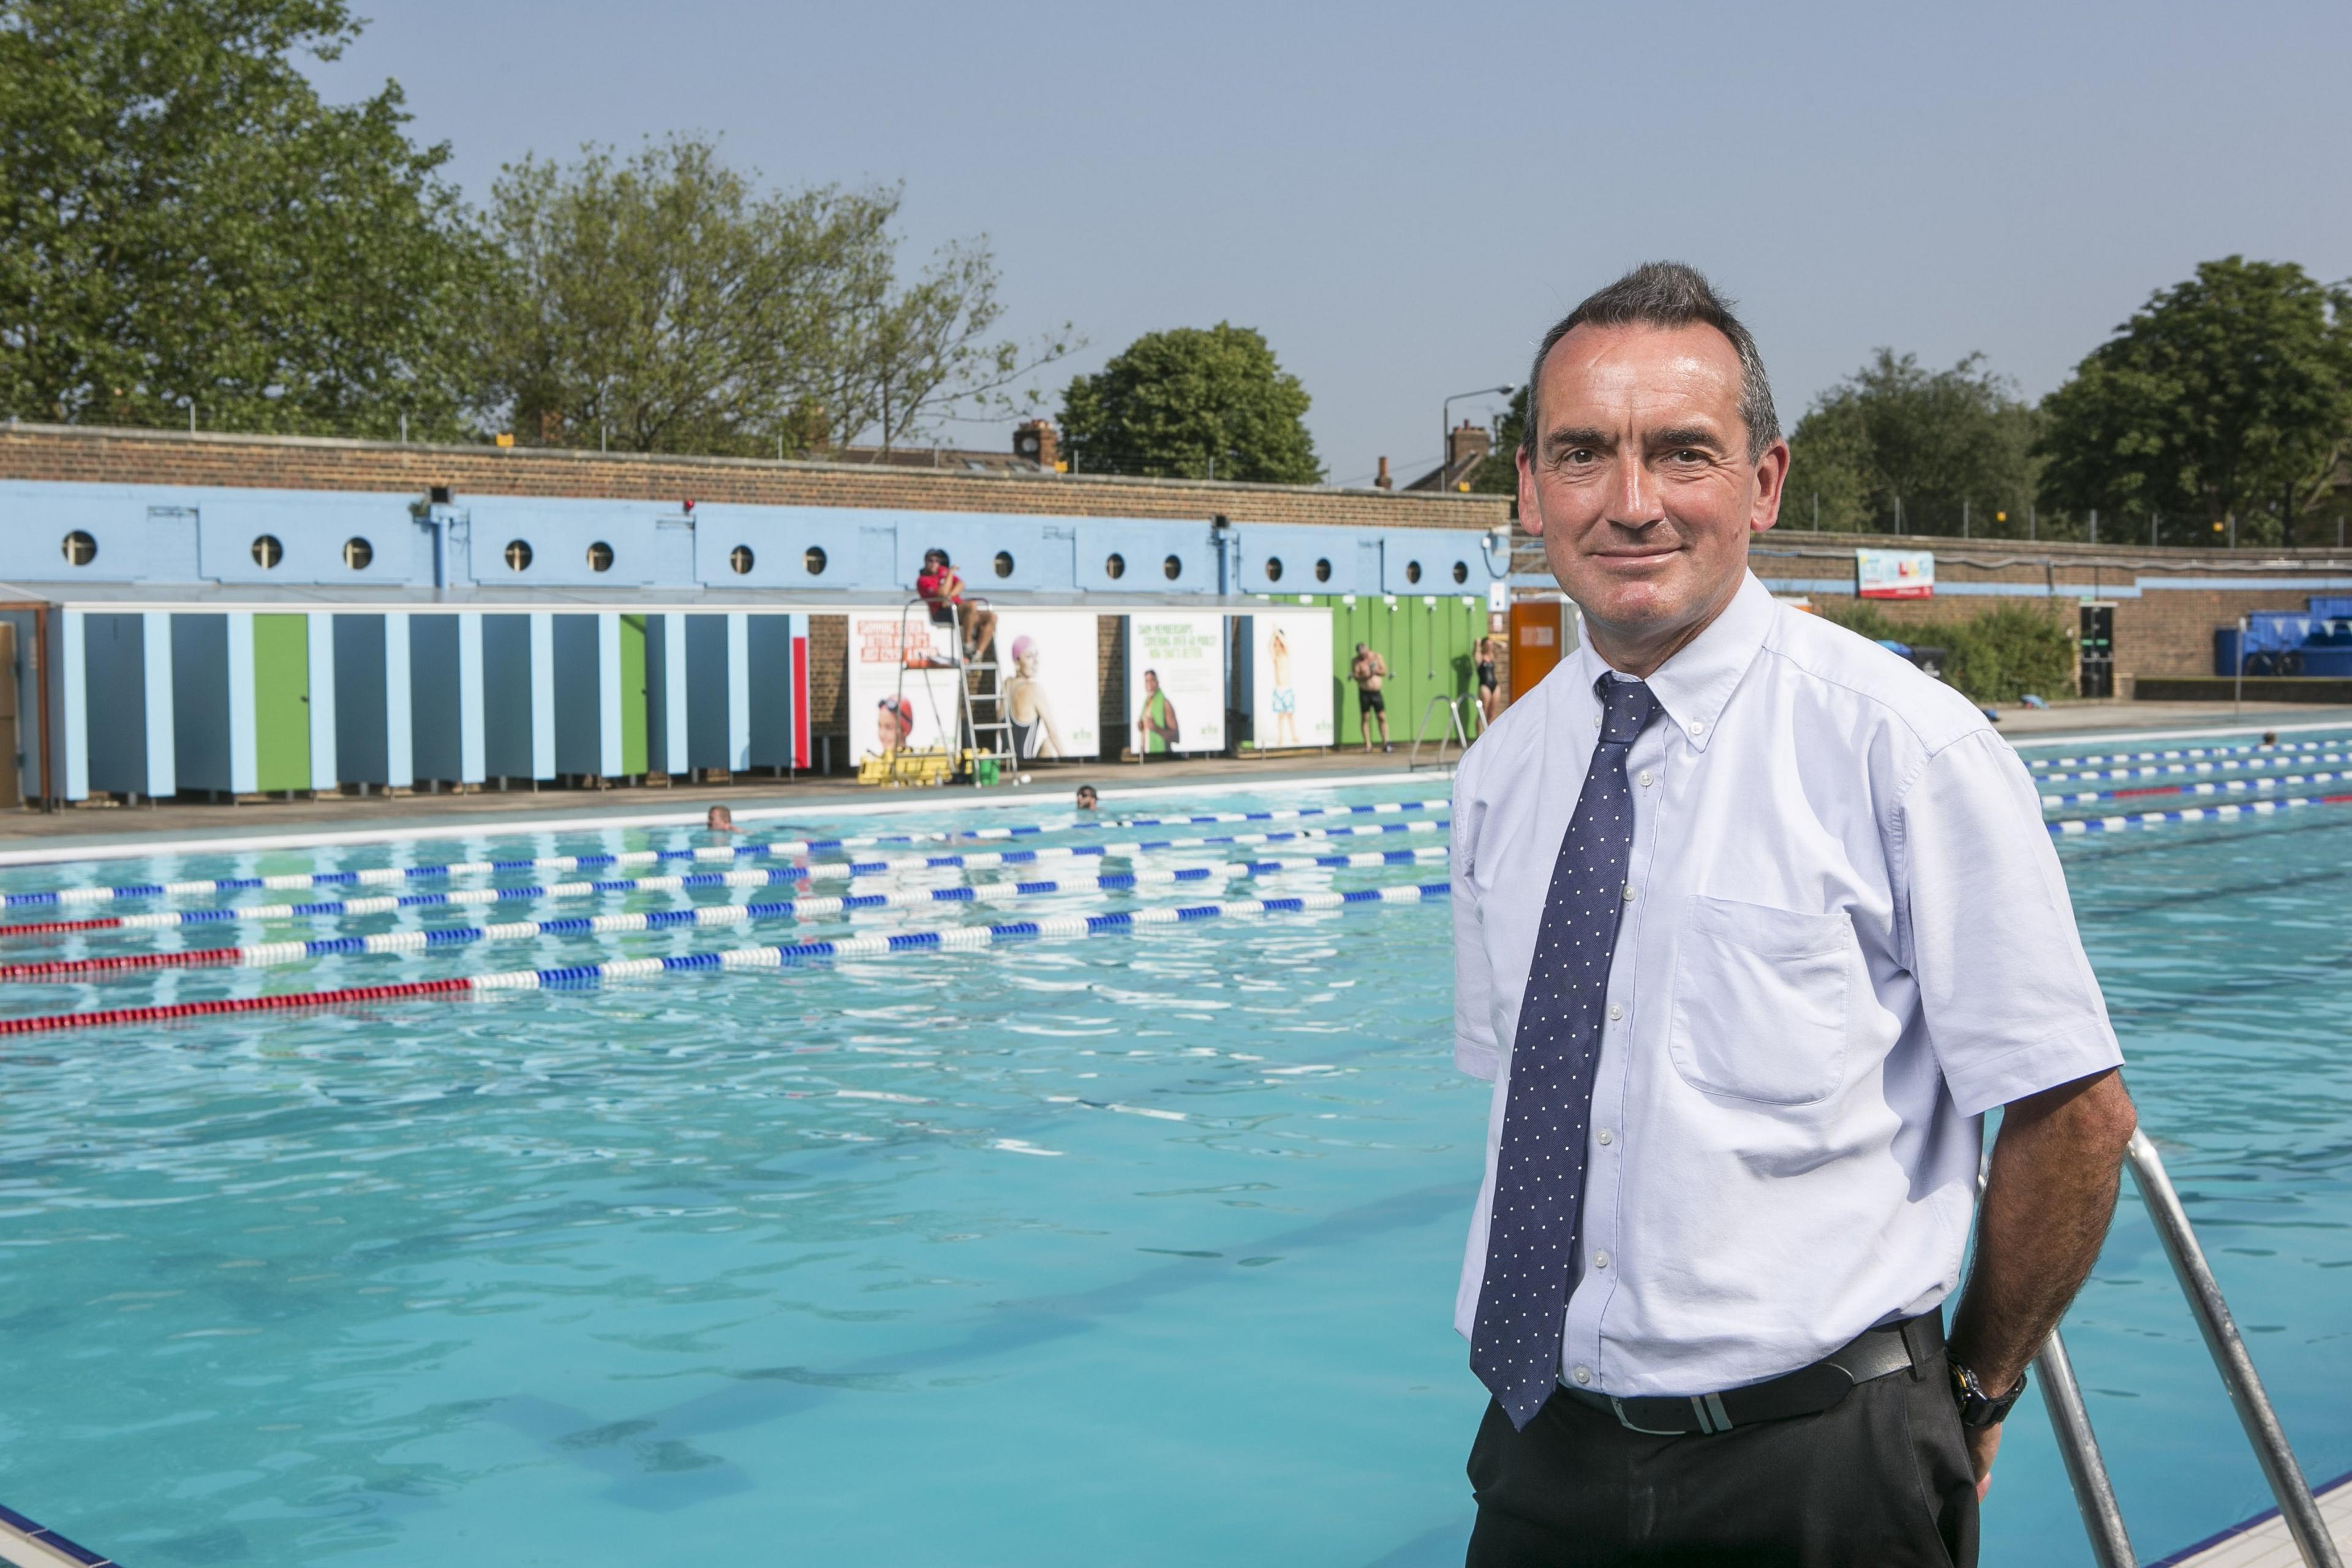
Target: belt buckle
{"x": 1627, "y": 1422}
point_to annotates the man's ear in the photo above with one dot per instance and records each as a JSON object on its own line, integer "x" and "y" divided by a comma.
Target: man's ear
{"x": 1530, "y": 509}
{"x": 1771, "y": 484}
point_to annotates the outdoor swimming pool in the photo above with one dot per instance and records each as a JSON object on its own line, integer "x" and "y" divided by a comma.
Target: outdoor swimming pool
{"x": 1138, "y": 1248}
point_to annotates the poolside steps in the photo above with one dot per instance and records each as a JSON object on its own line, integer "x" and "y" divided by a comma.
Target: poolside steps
{"x": 2263, "y": 1541}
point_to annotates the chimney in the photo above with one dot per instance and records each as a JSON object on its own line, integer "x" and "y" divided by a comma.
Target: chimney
{"x": 1382, "y": 481}
{"x": 1035, "y": 439}
{"x": 1463, "y": 448}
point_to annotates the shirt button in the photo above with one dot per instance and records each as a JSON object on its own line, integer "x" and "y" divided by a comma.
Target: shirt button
{"x": 1605, "y": 1136}
{"x": 1601, "y": 1260}
{"x": 1583, "y": 1374}
{"x": 1615, "y": 1011}
{"x": 1647, "y": 780}
{"x": 1696, "y": 728}
{"x": 1596, "y": 720}
{"x": 1629, "y": 892}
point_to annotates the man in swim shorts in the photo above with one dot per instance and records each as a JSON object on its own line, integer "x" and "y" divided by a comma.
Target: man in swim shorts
{"x": 1369, "y": 672}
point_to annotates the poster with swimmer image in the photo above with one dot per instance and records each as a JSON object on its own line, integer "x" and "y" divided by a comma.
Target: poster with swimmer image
{"x": 1290, "y": 668}
{"x": 1049, "y": 670}
{"x": 1175, "y": 682}
{"x": 902, "y": 683}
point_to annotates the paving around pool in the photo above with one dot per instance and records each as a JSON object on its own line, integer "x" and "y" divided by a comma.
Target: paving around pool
{"x": 945, "y": 1180}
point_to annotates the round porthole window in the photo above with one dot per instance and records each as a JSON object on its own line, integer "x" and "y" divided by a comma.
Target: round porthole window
{"x": 600, "y": 557}
{"x": 812, "y": 560}
{"x": 1412, "y": 571}
{"x": 80, "y": 547}
{"x": 1461, "y": 572}
{"x": 268, "y": 551}
{"x": 1004, "y": 563}
{"x": 1274, "y": 568}
{"x": 1116, "y": 567}
{"x": 1172, "y": 568}
{"x": 518, "y": 554}
{"x": 357, "y": 553}
{"x": 1322, "y": 570}
{"x": 739, "y": 559}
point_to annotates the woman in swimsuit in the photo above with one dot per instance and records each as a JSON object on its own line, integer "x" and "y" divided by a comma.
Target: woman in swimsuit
{"x": 1490, "y": 692}
{"x": 1027, "y": 707}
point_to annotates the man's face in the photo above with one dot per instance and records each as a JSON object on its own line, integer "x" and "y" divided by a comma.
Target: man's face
{"x": 1641, "y": 486}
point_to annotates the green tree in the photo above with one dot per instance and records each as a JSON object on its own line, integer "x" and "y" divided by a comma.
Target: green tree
{"x": 181, "y": 219}
{"x": 1191, "y": 403}
{"x": 1499, "y": 474}
{"x": 2229, "y": 394}
{"x": 664, "y": 304}
{"x": 1948, "y": 447}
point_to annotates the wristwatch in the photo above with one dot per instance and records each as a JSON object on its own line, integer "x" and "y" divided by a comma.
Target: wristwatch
{"x": 1978, "y": 1408}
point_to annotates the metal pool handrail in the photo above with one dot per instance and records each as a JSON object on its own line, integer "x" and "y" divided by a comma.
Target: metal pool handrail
{"x": 2095, "y": 1495}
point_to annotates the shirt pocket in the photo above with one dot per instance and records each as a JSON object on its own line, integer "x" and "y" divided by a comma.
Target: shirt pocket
{"x": 1759, "y": 1002}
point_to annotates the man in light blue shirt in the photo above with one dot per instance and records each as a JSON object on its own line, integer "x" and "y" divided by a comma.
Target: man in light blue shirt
{"x": 1754, "y": 923}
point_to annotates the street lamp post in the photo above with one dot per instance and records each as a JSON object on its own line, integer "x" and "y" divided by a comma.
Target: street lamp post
{"x": 1446, "y": 427}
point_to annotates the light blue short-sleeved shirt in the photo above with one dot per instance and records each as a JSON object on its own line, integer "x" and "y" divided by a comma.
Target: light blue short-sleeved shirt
{"x": 1846, "y": 936}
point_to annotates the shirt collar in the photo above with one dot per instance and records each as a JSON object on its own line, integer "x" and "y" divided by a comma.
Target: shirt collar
{"x": 1695, "y": 684}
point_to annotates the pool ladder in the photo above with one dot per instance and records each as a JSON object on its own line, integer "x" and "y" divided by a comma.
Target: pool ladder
{"x": 2095, "y": 1494}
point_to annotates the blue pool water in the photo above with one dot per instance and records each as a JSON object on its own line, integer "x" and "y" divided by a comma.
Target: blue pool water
{"x": 1135, "y": 1249}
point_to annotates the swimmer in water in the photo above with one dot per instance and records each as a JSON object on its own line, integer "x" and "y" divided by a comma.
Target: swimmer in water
{"x": 1086, "y": 801}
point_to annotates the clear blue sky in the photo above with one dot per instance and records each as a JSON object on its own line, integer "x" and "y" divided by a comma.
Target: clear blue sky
{"x": 1404, "y": 198}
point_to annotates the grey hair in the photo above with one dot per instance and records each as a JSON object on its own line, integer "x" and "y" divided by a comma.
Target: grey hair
{"x": 1667, "y": 294}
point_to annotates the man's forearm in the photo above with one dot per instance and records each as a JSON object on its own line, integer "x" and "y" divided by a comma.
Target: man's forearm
{"x": 2047, "y": 1202}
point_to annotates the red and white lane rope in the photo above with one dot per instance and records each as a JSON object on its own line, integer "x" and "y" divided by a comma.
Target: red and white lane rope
{"x": 775, "y": 956}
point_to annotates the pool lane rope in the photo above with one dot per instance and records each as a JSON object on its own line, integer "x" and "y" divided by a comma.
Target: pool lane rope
{"x": 2073, "y": 826}
{"x": 2224, "y": 787}
{"x": 267, "y": 954}
{"x": 947, "y": 939}
{"x": 168, "y": 920}
{"x": 374, "y": 876}
{"x": 2039, "y": 764}
{"x": 2194, "y": 770}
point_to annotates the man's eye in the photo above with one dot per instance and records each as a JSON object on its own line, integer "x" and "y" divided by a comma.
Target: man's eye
{"x": 1581, "y": 454}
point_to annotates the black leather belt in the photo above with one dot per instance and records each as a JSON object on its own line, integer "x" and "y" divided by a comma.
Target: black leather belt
{"x": 1914, "y": 1345}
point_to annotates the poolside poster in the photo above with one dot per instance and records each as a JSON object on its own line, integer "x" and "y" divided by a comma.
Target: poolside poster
{"x": 1049, "y": 665}
{"x": 902, "y": 683}
{"x": 1175, "y": 682}
{"x": 1895, "y": 573}
{"x": 1290, "y": 663}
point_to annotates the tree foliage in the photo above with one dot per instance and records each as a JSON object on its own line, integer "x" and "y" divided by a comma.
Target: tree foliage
{"x": 2227, "y": 395}
{"x": 1499, "y": 474}
{"x": 1191, "y": 403}
{"x": 664, "y": 303}
{"x": 1995, "y": 656}
{"x": 183, "y": 219}
{"x": 1931, "y": 441}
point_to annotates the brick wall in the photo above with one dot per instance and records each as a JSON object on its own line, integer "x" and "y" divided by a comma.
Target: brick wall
{"x": 829, "y": 687}
{"x": 1110, "y": 658}
{"x": 2160, "y": 632}
{"x": 74, "y": 453}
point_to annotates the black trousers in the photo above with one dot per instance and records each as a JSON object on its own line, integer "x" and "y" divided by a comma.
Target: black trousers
{"x": 1880, "y": 1480}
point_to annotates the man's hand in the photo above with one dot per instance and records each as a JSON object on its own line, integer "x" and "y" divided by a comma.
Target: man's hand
{"x": 2047, "y": 1201}
{"x": 1984, "y": 1441}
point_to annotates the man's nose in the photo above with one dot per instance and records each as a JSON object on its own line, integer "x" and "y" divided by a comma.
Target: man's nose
{"x": 1637, "y": 502}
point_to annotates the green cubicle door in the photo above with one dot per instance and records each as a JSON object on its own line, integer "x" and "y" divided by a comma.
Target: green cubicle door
{"x": 633, "y": 696}
{"x": 1429, "y": 644}
{"x": 281, "y": 702}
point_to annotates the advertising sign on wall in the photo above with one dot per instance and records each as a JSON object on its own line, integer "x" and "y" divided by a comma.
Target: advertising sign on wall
{"x": 1175, "y": 682}
{"x": 902, "y": 683}
{"x": 1050, "y": 676}
{"x": 1895, "y": 573}
{"x": 1290, "y": 663}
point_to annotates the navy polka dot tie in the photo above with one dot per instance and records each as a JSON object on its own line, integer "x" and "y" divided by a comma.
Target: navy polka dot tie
{"x": 1540, "y": 1172}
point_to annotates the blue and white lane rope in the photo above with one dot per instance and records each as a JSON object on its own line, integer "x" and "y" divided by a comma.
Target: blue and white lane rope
{"x": 2041, "y": 763}
{"x": 702, "y": 854}
{"x": 166, "y": 919}
{"x": 2193, "y": 769}
{"x": 947, "y": 939}
{"x": 2230, "y": 813}
{"x": 2218, "y": 787}
{"x": 267, "y": 954}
